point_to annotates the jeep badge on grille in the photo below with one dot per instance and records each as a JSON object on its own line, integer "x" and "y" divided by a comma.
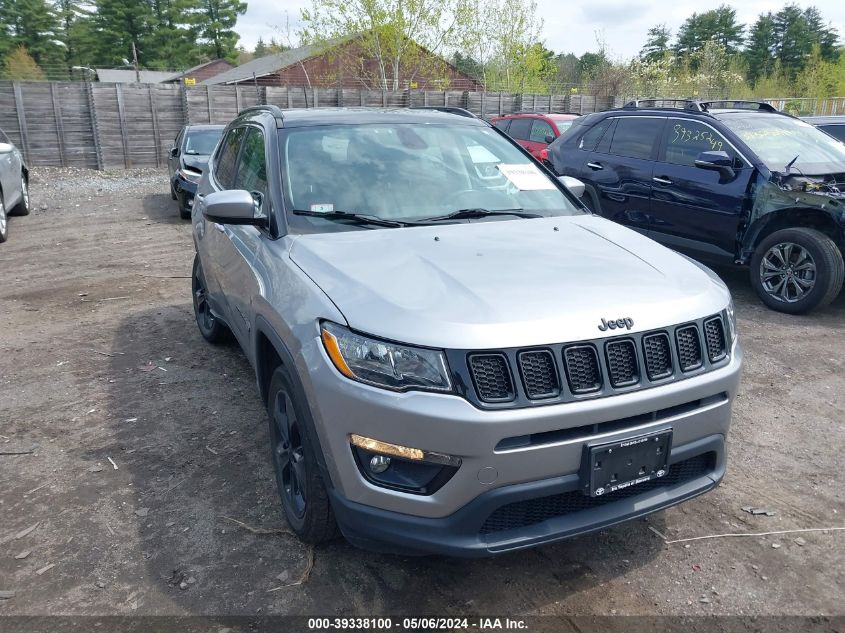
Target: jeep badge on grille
{"x": 617, "y": 324}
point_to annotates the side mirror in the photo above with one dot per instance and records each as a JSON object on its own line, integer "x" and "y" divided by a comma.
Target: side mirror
{"x": 235, "y": 206}
{"x": 5, "y": 148}
{"x": 575, "y": 186}
{"x": 550, "y": 138}
{"x": 174, "y": 152}
{"x": 716, "y": 161}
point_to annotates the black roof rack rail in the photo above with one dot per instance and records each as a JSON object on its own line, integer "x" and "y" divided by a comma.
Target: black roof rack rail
{"x": 738, "y": 104}
{"x": 447, "y": 109}
{"x": 658, "y": 103}
{"x": 275, "y": 110}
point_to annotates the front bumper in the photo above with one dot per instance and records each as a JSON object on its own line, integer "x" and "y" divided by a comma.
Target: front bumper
{"x": 183, "y": 185}
{"x": 450, "y": 520}
{"x": 514, "y": 511}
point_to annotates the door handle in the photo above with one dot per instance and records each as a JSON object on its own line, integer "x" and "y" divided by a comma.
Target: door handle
{"x": 662, "y": 181}
{"x": 595, "y": 166}
{"x": 220, "y": 227}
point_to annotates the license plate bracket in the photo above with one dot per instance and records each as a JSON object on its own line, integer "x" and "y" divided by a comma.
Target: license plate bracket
{"x": 613, "y": 466}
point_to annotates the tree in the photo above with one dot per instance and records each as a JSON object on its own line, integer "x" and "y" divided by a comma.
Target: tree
{"x": 77, "y": 32}
{"x": 19, "y": 65}
{"x": 261, "y": 48}
{"x": 717, "y": 24}
{"x": 796, "y": 32}
{"x": 172, "y": 40}
{"x": 216, "y": 23}
{"x": 657, "y": 43}
{"x": 467, "y": 65}
{"x": 759, "y": 54}
{"x": 119, "y": 24}
{"x": 401, "y": 36}
{"x": 34, "y": 25}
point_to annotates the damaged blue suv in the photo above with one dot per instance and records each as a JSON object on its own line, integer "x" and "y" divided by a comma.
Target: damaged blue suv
{"x": 726, "y": 182}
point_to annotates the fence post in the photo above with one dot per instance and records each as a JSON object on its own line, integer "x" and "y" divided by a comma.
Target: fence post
{"x": 16, "y": 87}
{"x": 483, "y": 99}
{"x": 186, "y": 108}
{"x": 60, "y": 130}
{"x": 339, "y": 97}
{"x": 384, "y": 98}
{"x": 154, "y": 113}
{"x": 238, "y": 98}
{"x": 445, "y": 98}
{"x": 501, "y": 103}
{"x": 92, "y": 113}
{"x": 314, "y": 92}
{"x": 121, "y": 114}
{"x": 210, "y": 100}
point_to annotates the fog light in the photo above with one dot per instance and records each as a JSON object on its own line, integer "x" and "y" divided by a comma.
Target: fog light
{"x": 379, "y": 463}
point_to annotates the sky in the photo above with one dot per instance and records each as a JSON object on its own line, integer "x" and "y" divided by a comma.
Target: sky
{"x": 569, "y": 27}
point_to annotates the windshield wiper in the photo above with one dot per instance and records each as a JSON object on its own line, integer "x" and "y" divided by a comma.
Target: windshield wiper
{"x": 790, "y": 164}
{"x": 465, "y": 214}
{"x": 357, "y": 218}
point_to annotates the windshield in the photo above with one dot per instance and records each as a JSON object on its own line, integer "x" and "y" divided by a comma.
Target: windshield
{"x": 202, "y": 142}
{"x": 778, "y": 140}
{"x": 412, "y": 172}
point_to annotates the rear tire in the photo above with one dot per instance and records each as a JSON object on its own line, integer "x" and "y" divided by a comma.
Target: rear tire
{"x": 210, "y": 327}
{"x": 23, "y": 206}
{"x": 305, "y": 502}
{"x": 797, "y": 270}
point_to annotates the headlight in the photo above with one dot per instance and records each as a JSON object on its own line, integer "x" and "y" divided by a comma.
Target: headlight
{"x": 731, "y": 320}
{"x": 385, "y": 364}
{"x": 190, "y": 174}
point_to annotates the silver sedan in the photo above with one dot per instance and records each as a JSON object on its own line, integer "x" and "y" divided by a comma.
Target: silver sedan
{"x": 14, "y": 184}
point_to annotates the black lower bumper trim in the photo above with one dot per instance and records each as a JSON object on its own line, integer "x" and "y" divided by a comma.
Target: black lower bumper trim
{"x": 464, "y": 534}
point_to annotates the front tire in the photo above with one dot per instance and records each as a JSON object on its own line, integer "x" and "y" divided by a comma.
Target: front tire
{"x": 797, "y": 270}
{"x": 184, "y": 207}
{"x": 210, "y": 327}
{"x": 4, "y": 221}
{"x": 305, "y": 501}
{"x": 22, "y": 207}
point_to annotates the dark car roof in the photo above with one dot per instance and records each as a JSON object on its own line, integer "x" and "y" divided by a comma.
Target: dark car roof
{"x": 304, "y": 117}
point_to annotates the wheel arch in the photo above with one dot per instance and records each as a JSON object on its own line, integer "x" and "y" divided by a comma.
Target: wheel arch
{"x": 270, "y": 352}
{"x": 794, "y": 217}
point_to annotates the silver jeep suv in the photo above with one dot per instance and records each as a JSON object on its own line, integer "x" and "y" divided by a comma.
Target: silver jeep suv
{"x": 456, "y": 356}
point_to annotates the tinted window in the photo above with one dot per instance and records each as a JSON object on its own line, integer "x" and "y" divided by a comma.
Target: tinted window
{"x": 540, "y": 130}
{"x": 224, "y": 166}
{"x": 520, "y": 128}
{"x": 836, "y": 131}
{"x": 592, "y": 137}
{"x": 252, "y": 166}
{"x": 686, "y": 139}
{"x": 502, "y": 124}
{"x": 634, "y": 137}
{"x": 202, "y": 142}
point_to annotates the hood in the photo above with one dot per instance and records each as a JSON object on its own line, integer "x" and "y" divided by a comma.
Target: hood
{"x": 505, "y": 283}
{"x": 197, "y": 161}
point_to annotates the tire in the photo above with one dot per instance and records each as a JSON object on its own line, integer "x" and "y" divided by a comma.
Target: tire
{"x": 4, "y": 221}
{"x": 305, "y": 502}
{"x": 184, "y": 209}
{"x": 797, "y": 270}
{"x": 210, "y": 327}
{"x": 172, "y": 191}
{"x": 23, "y": 206}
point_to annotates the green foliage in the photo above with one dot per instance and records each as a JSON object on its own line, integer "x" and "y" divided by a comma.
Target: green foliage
{"x": 216, "y": 23}
{"x": 718, "y": 25}
{"x": 656, "y": 44}
{"x": 34, "y": 25}
{"x": 18, "y": 65}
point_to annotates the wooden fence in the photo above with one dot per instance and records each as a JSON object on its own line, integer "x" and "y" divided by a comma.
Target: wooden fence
{"x": 115, "y": 126}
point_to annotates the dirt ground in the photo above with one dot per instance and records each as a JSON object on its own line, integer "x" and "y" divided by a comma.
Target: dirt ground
{"x": 146, "y": 487}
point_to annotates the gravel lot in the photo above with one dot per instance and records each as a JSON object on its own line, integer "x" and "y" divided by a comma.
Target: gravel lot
{"x": 148, "y": 488}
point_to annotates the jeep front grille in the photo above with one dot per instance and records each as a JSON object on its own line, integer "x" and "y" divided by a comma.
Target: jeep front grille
{"x": 658, "y": 355}
{"x": 689, "y": 347}
{"x": 492, "y": 377}
{"x": 714, "y": 334}
{"x": 539, "y": 374}
{"x": 564, "y": 372}
{"x": 622, "y": 367}
{"x": 582, "y": 368}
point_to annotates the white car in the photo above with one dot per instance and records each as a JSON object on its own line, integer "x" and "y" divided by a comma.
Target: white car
{"x": 14, "y": 184}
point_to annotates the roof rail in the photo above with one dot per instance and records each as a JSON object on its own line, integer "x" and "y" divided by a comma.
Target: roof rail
{"x": 275, "y": 110}
{"x": 447, "y": 109}
{"x": 658, "y": 103}
{"x": 739, "y": 104}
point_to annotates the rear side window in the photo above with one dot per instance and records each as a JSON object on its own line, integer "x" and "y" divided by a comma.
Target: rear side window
{"x": 592, "y": 136}
{"x": 836, "y": 131}
{"x": 540, "y": 130}
{"x": 252, "y": 167}
{"x": 686, "y": 139}
{"x": 227, "y": 156}
{"x": 634, "y": 136}
{"x": 502, "y": 124}
{"x": 521, "y": 128}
